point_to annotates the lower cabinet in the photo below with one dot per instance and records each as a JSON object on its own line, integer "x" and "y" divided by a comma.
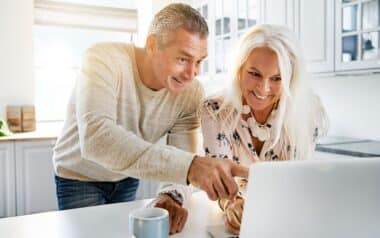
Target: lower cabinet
{"x": 7, "y": 180}
{"x": 26, "y": 177}
{"x": 35, "y": 186}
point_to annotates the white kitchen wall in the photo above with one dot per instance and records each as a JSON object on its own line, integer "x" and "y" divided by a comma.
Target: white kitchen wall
{"x": 16, "y": 53}
{"x": 352, "y": 103}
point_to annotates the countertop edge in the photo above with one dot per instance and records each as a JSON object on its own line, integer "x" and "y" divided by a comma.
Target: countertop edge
{"x": 27, "y": 137}
{"x": 44, "y": 131}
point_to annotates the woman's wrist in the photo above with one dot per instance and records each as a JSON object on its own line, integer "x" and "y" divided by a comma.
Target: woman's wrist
{"x": 225, "y": 203}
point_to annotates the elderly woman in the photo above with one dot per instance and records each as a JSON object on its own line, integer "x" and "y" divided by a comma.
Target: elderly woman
{"x": 269, "y": 112}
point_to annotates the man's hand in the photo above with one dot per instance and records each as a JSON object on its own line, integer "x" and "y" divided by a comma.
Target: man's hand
{"x": 234, "y": 213}
{"x": 177, "y": 214}
{"x": 215, "y": 176}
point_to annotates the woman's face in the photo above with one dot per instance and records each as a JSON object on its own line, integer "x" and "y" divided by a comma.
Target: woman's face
{"x": 260, "y": 80}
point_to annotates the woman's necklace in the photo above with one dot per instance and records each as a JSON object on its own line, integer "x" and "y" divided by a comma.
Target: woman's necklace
{"x": 261, "y": 132}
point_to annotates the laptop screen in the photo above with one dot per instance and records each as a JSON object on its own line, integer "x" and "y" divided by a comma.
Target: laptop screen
{"x": 313, "y": 198}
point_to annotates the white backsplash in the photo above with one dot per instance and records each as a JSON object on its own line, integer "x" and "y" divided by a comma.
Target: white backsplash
{"x": 352, "y": 103}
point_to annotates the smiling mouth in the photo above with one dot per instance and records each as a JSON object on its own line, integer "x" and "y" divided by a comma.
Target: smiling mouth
{"x": 258, "y": 96}
{"x": 177, "y": 80}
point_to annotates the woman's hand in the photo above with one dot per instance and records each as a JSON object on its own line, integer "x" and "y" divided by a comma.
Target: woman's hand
{"x": 234, "y": 213}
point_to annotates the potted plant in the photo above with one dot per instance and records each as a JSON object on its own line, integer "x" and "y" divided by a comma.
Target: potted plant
{"x": 4, "y": 129}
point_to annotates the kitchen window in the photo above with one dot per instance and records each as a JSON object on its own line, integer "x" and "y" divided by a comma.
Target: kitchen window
{"x": 63, "y": 30}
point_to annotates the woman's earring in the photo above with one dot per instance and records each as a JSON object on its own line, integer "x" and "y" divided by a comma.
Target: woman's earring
{"x": 246, "y": 109}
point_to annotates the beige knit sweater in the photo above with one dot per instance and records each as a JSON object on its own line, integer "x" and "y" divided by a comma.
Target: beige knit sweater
{"x": 114, "y": 123}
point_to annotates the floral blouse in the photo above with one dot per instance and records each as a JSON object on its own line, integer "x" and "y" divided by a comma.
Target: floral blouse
{"x": 230, "y": 140}
{"x": 224, "y": 141}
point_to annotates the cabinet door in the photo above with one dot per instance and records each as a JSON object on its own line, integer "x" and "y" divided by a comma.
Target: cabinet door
{"x": 7, "y": 180}
{"x": 35, "y": 177}
{"x": 358, "y": 35}
{"x": 280, "y": 12}
{"x": 315, "y": 28}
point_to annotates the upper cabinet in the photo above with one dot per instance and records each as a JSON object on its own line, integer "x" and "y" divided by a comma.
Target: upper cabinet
{"x": 358, "y": 34}
{"x": 337, "y": 36}
{"x": 314, "y": 26}
{"x": 281, "y": 12}
{"x": 227, "y": 21}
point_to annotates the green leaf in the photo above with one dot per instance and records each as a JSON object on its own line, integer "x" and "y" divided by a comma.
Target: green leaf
{"x": 3, "y": 129}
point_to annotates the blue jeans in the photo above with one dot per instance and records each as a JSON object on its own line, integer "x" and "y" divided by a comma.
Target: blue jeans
{"x": 75, "y": 194}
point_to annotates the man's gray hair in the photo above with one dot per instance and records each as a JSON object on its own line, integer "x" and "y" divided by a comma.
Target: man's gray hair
{"x": 175, "y": 16}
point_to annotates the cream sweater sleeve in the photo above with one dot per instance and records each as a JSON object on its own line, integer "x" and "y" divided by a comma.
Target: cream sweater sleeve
{"x": 113, "y": 147}
{"x": 184, "y": 135}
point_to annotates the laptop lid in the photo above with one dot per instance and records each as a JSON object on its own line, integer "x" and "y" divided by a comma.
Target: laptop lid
{"x": 313, "y": 198}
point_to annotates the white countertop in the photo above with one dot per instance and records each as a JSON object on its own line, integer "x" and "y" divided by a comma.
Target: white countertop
{"x": 44, "y": 131}
{"x": 106, "y": 221}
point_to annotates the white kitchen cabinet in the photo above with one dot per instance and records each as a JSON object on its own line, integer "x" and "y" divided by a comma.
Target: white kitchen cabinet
{"x": 312, "y": 21}
{"x": 35, "y": 186}
{"x": 26, "y": 177}
{"x": 313, "y": 24}
{"x": 7, "y": 180}
{"x": 358, "y": 35}
{"x": 315, "y": 30}
{"x": 280, "y": 12}
{"x": 227, "y": 21}
{"x": 337, "y": 36}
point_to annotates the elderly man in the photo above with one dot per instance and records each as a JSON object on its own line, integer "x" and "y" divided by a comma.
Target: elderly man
{"x": 126, "y": 99}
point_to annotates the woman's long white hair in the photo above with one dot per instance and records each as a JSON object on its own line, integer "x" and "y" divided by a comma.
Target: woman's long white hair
{"x": 300, "y": 114}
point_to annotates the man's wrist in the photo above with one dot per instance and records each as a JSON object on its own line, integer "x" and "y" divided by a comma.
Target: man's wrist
{"x": 190, "y": 167}
{"x": 175, "y": 195}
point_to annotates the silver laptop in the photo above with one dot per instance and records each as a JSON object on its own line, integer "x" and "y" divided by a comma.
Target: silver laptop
{"x": 313, "y": 199}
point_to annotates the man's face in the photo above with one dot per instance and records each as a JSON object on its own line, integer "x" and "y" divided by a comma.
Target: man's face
{"x": 177, "y": 62}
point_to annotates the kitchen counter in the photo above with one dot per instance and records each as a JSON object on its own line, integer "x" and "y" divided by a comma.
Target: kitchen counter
{"x": 44, "y": 131}
{"x": 349, "y": 146}
{"x": 327, "y": 140}
{"x": 29, "y": 136}
{"x": 106, "y": 221}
